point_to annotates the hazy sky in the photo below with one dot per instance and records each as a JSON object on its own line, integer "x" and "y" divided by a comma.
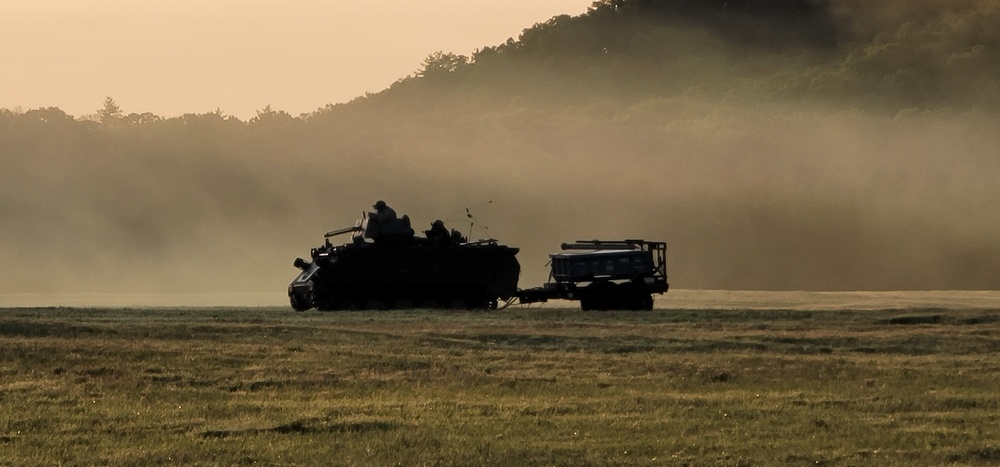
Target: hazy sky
{"x": 171, "y": 57}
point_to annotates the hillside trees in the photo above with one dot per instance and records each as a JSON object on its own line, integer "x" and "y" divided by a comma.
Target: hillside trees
{"x": 111, "y": 114}
{"x": 439, "y": 63}
{"x": 873, "y": 54}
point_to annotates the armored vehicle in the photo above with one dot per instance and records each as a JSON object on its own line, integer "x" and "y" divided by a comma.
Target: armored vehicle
{"x": 605, "y": 275}
{"x": 386, "y": 265}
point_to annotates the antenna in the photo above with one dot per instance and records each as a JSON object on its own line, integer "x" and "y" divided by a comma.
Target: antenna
{"x": 472, "y": 220}
{"x": 466, "y": 210}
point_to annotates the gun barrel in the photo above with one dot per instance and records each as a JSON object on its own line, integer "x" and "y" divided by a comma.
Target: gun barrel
{"x": 600, "y": 245}
{"x": 334, "y": 233}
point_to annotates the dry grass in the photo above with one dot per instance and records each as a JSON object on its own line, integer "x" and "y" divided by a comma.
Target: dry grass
{"x": 523, "y": 387}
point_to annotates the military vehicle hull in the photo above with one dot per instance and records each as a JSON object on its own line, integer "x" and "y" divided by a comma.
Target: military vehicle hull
{"x": 407, "y": 275}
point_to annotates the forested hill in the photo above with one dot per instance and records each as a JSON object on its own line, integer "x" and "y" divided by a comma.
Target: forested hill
{"x": 794, "y": 144}
{"x": 886, "y": 55}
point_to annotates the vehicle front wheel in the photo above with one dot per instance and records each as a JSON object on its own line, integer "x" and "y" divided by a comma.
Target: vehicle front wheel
{"x": 300, "y": 304}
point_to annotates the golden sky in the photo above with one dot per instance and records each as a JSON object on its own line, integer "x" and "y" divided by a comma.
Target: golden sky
{"x": 171, "y": 57}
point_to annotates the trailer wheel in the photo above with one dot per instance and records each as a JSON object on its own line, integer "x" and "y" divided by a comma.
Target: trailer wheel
{"x": 602, "y": 296}
{"x": 643, "y": 302}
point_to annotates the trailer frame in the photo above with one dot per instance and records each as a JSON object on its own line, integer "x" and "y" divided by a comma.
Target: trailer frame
{"x": 605, "y": 275}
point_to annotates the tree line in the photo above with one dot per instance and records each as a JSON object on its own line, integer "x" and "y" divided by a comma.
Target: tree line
{"x": 878, "y": 55}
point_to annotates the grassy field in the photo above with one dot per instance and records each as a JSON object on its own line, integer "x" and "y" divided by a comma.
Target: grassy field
{"x": 521, "y": 387}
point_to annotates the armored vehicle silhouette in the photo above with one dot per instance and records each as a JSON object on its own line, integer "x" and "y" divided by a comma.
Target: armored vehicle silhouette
{"x": 387, "y": 266}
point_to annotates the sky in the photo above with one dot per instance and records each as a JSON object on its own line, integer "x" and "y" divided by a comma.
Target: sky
{"x": 172, "y": 57}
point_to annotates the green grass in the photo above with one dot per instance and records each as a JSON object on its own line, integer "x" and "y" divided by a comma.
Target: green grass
{"x": 522, "y": 387}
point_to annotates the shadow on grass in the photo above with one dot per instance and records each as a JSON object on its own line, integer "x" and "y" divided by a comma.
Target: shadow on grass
{"x": 299, "y": 427}
{"x": 915, "y": 319}
{"x": 990, "y": 455}
{"x": 640, "y": 344}
{"x": 20, "y": 328}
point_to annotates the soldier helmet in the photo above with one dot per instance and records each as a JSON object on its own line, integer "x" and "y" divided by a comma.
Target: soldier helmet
{"x": 379, "y": 204}
{"x": 437, "y": 223}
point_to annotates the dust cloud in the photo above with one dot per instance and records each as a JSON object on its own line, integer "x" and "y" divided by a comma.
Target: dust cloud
{"x": 862, "y": 162}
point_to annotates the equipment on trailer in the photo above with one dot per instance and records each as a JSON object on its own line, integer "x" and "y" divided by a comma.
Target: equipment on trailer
{"x": 605, "y": 275}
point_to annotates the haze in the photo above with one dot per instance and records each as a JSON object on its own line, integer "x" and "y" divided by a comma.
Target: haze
{"x": 794, "y": 145}
{"x": 171, "y": 57}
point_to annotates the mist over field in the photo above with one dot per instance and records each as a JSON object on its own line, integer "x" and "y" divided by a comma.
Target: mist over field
{"x": 779, "y": 145}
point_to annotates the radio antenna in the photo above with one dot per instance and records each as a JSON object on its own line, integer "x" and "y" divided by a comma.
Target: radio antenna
{"x": 466, "y": 210}
{"x": 473, "y": 222}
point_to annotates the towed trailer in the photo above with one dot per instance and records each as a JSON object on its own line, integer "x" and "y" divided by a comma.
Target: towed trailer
{"x": 605, "y": 275}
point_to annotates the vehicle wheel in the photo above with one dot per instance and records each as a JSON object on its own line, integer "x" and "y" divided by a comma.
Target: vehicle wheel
{"x": 299, "y": 304}
{"x": 403, "y": 304}
{"x": 637, "y": 300}
{"x": 603, "y": 296}
{"x": 459, "y": 304}
{"x": 325, "y": 305}
{"x": 433, "y": 304}
{"x": 376, "y": 304}
{"x": 351, "y": 305}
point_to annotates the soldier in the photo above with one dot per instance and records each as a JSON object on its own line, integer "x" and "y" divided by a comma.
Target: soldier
{"x": 383, "y": 212}
{"x": 438, "y": 234}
